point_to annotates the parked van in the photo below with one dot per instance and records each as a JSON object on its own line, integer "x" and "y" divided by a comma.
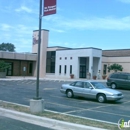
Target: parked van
{"x": 119, "y": 80}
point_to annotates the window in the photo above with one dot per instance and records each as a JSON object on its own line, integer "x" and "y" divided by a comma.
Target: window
{"x": 60, "y": 58}
{"x": 70, "y": 69}
{"x": 128, "y": 77}
{"x": 65, "y": 69}
{"x": 73, "y": 84}
{"x": 87, "y": 85}
{"x": 79, "y": 84}
{"x": 122, "y": 76}
{"x": 114, "y": 76}
{"x": 50, "y": 62}
{"x": 104, "y": 69}
{"x": 71, "y": 58}
{"x": 82, "y": 61}
{"x": 60, "y": 69}
{"x": 30, "y": 67}
{"x": 65, "y": 58}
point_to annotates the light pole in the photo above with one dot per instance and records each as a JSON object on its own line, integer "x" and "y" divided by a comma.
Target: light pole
{"x": 39, "y": 43}
{"x": 37, "y": 103}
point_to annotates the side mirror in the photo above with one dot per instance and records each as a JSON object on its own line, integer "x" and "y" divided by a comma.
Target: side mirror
{"x": 91, "y": 87}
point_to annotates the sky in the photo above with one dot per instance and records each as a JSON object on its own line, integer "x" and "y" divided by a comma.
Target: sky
{"x": 103, "y": 24}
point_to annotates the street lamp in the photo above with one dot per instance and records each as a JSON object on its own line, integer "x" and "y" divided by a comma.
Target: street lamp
{"x": 39, "y": 43}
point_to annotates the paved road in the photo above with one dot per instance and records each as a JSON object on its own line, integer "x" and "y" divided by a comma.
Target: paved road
{"x": 22, "y": 91}
{"x": 10, "y": 124}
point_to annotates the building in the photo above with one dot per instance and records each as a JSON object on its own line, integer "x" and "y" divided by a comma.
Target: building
{"x": 60, "y": 62}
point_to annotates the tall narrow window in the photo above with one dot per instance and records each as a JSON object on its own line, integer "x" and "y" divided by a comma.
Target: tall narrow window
{"x": 70, "y": 69}
{"x": 50, "y": 62}
{"x": 104, "y": 69}
{"x": 30, "y": 67}
{"x": 65, "y": 69}
{"x": 60, "y": 69}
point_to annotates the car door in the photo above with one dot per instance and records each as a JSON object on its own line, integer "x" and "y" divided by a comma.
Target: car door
{"x": 123, "y": 80}
{"x": 127, "y": 86}
{"x": 78, "y": 88}
{"x": 88, "y": 90}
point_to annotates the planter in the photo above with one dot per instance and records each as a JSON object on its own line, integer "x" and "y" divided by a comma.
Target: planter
{"x": 2, "y": 74}
{"x": 94, "y": 77}
{"x": 104, "y": 77}
{"x": 72, "y": 76}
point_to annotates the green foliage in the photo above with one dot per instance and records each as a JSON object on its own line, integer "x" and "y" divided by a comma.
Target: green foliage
{"x": 115, "y": 67}
{"x": 3, "y": 66}
{"x": 7, "y": 47}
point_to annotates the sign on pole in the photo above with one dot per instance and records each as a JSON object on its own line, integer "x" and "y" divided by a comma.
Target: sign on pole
{"x": 49, "y": 7}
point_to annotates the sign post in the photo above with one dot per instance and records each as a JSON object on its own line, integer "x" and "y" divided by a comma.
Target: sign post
{"x": 39, "y": 43}
{"x": 37, "y": 103}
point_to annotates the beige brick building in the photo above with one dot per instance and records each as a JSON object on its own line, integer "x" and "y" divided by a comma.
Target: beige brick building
{"x": 52, "y": 63}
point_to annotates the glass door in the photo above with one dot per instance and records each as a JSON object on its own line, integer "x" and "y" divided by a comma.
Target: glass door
{"x": 9, "y": 71}
{"x": 82, "y": 67}
{"x": 82, "y": 72}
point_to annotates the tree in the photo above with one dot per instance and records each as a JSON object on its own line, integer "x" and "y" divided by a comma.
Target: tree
{"x": 3, "y": 66}
{"x": 115, "y": 67}
{"x": 7, "y": 47}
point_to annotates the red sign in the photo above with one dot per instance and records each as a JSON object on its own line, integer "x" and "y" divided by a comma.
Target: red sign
{"x": 49, "y": 7}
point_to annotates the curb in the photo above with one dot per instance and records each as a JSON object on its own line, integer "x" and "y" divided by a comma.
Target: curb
{"x": 46, "y": 79}
{"x": 46, "y": 122}
{"x": 112, "y": 123}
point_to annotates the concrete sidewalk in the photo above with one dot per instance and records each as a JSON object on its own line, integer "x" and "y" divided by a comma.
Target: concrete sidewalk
{"x": 46, "y": 78}
{"x": 42, "y": 121}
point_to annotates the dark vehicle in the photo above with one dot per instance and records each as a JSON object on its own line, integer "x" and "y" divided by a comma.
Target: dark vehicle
{"x": 119, "y": 80}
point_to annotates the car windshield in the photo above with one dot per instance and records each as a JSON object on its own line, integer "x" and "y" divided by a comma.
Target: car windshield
{"x": 98, "y": 85}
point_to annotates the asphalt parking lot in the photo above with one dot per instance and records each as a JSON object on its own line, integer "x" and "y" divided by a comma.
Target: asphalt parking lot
{"x": 21, "y": 91}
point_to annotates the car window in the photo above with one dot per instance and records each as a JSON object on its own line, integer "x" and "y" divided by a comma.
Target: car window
{"x": 87, "y": 85}
{"x": 98, "y": 85}
{"x": 79, "y": 84}
{"x": 128, "y": 77}
{"x": 114, "y": 76}
{"x": 122, "y": 76}
{"x": 73, "y": 84}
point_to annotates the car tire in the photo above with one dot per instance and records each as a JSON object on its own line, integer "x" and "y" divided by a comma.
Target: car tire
{"x": 69, "y": 93}
{"x": 101, "y": 98}
{"x": 113, "y": 86}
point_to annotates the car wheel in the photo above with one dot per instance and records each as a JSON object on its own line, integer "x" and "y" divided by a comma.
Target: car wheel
{"x": 69, "y": 93}
{"x": 101, "y": 98}
{"x": 113, "y": 86}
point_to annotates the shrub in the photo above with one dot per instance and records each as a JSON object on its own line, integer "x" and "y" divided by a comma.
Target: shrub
{"x": 3, "y": 66}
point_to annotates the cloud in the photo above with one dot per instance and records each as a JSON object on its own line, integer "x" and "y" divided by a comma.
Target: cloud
{"x": 24, "y": 8}
{"x": 5, "y": 27}
{"x": 125, "y": 1}
{"x": 96, "y": 23}
{"x": 57, "y": 30}
{"x": 19, "y": 35}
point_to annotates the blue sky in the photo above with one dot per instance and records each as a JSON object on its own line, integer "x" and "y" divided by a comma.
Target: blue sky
{"x": 103, "y": 24}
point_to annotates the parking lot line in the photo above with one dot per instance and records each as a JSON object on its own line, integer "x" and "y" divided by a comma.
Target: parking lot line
{"x": 64, "y": 105}
{"x": 126, "y": 102}
{"x": 89, "y": 109}
{"x": 110, "y": 113}
{"x": 72, "y": 99}
{"x": 49, "y": 88}
{"x": 86, "y": 109}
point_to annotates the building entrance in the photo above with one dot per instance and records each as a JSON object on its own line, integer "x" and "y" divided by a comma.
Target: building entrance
{"x": 82, "y": 67}
{"x": 9, "y": 71}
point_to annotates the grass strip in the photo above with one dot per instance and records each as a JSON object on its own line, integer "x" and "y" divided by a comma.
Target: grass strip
{"x": 60, "y": 116}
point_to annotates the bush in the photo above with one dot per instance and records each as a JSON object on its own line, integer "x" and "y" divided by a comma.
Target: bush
{"x": 3, "y": 66}
{"x": 115, "y": 67}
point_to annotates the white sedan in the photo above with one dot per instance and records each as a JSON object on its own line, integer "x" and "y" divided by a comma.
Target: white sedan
{"x": 91, "y": 89}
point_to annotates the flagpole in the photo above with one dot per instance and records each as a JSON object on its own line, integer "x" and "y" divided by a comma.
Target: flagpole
{"x": 39, "y": 43}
